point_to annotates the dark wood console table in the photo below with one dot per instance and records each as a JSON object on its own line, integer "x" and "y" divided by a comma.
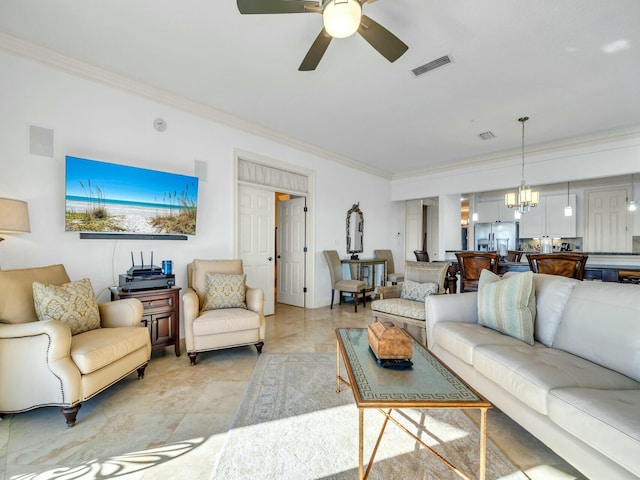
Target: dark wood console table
{"x": 161, "y": 314}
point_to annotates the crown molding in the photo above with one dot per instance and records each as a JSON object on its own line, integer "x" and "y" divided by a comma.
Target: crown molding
{"x": 87, "y": 71}
{"x": 497, "y": 159}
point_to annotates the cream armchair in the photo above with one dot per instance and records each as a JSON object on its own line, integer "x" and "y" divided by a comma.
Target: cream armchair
{"x": 42, "y": 364}
{"x": 216, "y": 328}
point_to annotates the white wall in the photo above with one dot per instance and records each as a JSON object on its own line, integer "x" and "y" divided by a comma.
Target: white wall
{"x": 607, "y": 158}
{"x": 95, "y": 121}
{"x": 582, "y": 164}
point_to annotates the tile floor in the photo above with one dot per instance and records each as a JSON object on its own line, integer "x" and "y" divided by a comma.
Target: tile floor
{"x": 172, "y": 423}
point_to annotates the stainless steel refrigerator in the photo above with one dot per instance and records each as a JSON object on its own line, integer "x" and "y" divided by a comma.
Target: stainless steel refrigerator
{"x": 496, "y": 236}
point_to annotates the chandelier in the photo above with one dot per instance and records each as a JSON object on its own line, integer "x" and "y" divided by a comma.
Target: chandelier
{"x": 525, "y": 198}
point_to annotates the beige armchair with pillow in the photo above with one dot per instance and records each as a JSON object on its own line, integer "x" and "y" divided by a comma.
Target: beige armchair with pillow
{"x": 405, "y": 304}
{"x": 58, "y": 347}
{"x": 220, "y": 311}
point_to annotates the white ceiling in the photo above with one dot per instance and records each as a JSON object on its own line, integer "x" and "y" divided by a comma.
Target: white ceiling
{"x": 573, "y": 66}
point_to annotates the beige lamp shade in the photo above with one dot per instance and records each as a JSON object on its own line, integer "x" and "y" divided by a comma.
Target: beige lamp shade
{"x": 14, "y": 216}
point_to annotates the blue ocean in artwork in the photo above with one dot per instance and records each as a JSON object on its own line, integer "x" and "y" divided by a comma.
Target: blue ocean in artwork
{"x": 124, "y": 203}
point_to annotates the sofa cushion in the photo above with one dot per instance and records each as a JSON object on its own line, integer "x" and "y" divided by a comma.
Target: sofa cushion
{"x": 225, "y": 320}
{"x": 400, "y": 307}
{"x": 552, "y": 295}
{"x": 16, "y": 291}
{"x": 95, "y": 349}
{"x": 73, "y": 303}
{"x": 460, "y": 339}
{"x": 600, "y": 323}
{"x": 507, "y": 305}
{"x": 606, "y": 420}
{"x": 225, "y": 291}
{"x": 417, "y": 291}
{"x": 530, "y": 372}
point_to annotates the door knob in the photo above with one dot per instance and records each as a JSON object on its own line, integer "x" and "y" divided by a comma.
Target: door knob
{"x": 270, "y": 258}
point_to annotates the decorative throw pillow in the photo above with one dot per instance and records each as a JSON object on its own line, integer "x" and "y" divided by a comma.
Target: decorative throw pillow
{"x": 508, "y": 305}
{"x": 417, "y": 291}
{"x": 225, "y": 291}
{"x": 72, "y": 303}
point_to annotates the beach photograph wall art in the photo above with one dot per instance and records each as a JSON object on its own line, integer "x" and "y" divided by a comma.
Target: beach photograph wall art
{"x": 113, "y": 198}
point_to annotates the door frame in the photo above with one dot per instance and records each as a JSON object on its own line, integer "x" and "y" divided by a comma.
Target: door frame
{"x": 310, "y": 223}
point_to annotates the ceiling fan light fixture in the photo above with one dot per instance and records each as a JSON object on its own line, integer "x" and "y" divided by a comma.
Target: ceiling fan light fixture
{"x": 341, "y": 18}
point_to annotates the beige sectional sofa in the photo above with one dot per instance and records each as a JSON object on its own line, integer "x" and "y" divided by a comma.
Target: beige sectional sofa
{"x": 577, "y": 388}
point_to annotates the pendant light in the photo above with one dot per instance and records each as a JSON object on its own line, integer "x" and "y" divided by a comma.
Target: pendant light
{"x": 474, "y": 215}
{"x": 568, "y": 210}
{"x": 525, "y": 198}
{"x": 632, "y": 205}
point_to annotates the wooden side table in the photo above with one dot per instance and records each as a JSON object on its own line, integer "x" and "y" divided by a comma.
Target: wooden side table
{"x": 161, "y": 314}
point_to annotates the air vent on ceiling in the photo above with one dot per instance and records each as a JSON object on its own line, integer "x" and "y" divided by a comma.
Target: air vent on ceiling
{"x": 487, "y": 135}
{"x": 432, "y": 65}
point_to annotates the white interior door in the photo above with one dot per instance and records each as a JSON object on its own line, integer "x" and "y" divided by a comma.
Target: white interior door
{"x": 607, "y": 221}
{"x": 256, "y": 240}
{"x": 291, "y": 251}
{"x": 413, "y": 228}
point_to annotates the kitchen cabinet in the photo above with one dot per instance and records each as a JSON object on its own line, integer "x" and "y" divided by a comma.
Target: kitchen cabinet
{"x": 547, "y": 219}
{"x": 495, "y": 211}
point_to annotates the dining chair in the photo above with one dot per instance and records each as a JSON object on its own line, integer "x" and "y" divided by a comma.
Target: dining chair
{"x": 392, "y": 276}
{"x": 421, "y": 255}
{"x": 471, "y": 265}
{"x": 513, "y": 256}
{"x": 564, "y": 264}
{"x": 354, "y": 287}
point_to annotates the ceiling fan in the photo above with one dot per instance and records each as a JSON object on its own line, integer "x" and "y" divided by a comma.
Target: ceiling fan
{"x": 341, "y": 18}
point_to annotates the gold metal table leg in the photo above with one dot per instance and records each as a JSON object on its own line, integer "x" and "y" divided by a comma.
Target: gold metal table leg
{"x": 483, "y": 442}
{"x": 360, "y": 443}
{"x": 337, "y": 366}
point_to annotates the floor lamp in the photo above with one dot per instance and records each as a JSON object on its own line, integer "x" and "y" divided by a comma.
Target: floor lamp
{"x": 14, "y": 216}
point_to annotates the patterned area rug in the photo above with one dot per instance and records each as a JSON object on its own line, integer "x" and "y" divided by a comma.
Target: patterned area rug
{"x": 292, "y": 424}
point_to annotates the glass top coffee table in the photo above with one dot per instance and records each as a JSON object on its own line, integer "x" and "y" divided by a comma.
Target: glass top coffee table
{"x": 428, "y": 384}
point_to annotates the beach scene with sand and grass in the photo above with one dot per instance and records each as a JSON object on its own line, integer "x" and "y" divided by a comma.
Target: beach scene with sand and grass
{"x": 106, "y": 197}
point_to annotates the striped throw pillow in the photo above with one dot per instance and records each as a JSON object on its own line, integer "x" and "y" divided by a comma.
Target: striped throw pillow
{"x": 508, "y": 305}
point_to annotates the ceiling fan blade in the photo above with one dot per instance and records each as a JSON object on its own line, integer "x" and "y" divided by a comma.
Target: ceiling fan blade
{"x": 276, "y": 6}
{"x": 385, "y": 42}
{"x": 315, "y": 53}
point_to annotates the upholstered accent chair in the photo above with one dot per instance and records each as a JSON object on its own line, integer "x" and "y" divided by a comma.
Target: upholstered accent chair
{"x": 43, "y": 363}
{"x": 405, "y": 304}
{"x": 393, "y": 277}
{"x": 354, "y": 287}
{"x": 471, "y": 265}
{"x": 220, "y": 311}
{"x": 569, "y": 265}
